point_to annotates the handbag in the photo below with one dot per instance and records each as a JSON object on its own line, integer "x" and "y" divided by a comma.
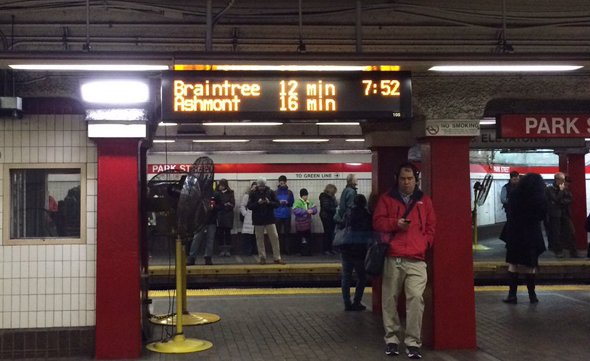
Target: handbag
{"x": 341, "y": 237}
{"x": 375, "y": 258}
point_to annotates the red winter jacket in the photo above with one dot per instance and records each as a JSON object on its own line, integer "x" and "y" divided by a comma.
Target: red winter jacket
{"x": 414, "y": 242}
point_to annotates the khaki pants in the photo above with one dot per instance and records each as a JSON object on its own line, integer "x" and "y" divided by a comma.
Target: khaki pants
{"x": 408, "y": 275}
{"x": 271, "y": 230}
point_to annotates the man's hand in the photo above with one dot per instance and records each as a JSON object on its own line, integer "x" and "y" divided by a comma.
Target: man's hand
{"x": 403, "y": 224}
{"x": 260, "y": 201}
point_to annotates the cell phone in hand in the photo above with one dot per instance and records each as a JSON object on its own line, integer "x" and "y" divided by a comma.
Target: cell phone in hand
{"x": 407, "y": 221}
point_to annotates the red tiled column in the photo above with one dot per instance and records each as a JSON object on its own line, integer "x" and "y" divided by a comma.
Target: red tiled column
{"x": 445, "y": 176}
{"x": 576, "y": 171}
{"x": 385, "y": 161}
{"x": 118, "y": 323}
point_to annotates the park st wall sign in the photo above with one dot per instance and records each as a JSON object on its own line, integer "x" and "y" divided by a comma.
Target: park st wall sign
{"x": 543, "y": 126}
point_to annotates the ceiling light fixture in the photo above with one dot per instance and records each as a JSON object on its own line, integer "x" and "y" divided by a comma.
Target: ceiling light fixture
{"x": 242, "y": 124}
{"x": 165, "y": 124}
{"x": 337, "y": 123}
{"x": 302, "y": 140}
{"x": 354, "y": 164}
{"x": 355, "y": 140}
{"x": 115, "y": 91}
{"x": 487, "y": 121}
{"x": 164, "y": 140}
{"x": 504, "y": 68}
{"x": 89, "y": 67}
{"x": 221, "y": 140}
{"x": 238, "y": 67}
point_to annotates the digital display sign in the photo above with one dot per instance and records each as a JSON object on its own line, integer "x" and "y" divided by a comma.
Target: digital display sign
{"x": 214, "y": 95}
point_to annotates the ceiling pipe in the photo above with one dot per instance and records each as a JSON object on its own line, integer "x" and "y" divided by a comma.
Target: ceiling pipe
{"x": 209, "y": 26}
{"x": 359, "y": 26}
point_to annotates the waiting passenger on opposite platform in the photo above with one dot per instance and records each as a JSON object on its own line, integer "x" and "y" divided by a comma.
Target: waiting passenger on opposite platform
{"x": 409, "y": 236}
{"x": 354, "y": 250}
{"x": 524, "y": 242}
{"x": 558, "y": 221}
{"x": 328, "y": 206}
{"x": 209, "y": 231}
{"x": 226, "y": 202}
{"x": 247, "y": 238}
{"x": 346, "y": 198}
{"x": 262, "y": 202}
{"x": 505, "y": 196}
{"x": 304, "y": 209}
{"x": 283, "y": 213}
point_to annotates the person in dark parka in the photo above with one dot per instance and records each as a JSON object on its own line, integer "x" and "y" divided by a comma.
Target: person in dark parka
{"x": 524, "y": 242}
{"x": 226, "y": 202}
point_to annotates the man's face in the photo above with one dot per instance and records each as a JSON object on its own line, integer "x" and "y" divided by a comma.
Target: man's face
{"x": 282, "y": 184}
{"x": 514, "y": 180}
{"x": 406, "y": 181}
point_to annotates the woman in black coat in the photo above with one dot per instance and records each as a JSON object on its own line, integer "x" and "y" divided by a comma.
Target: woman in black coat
{"x": 524, "y": 239}
{"x": 328, "y": 205}
{"x": 226, "y": 202}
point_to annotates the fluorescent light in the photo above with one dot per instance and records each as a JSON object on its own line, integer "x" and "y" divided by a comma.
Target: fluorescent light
{"x": 117, "y": 114}
{"x": 355, "y": 140}
{"x": 89, "y": 67}
{"x": 164, "y": 141}
{"x": 241, "y": 124}
{"x": 162, "y": 124}
{"x": 504, "y": 68}
{"x": 238, "y": 67}
{"x": 221, "y": 140}
{"x": 355, "y": 164}
{"x": 115, "y": 91}
{"x": 487, "y": 121}
{"x": 302, "y": 140}
{"x": 337, "y": 123}
{"x": 117, "y": 130}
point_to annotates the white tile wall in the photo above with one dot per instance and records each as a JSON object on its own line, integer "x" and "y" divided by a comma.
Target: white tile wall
{"x": 48, "y": 285}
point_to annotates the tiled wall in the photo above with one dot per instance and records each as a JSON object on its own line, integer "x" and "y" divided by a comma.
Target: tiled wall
{"x": 48, "y": 285}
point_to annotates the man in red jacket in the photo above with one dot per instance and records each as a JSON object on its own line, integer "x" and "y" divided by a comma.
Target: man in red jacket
{"x": 405, "y": 218}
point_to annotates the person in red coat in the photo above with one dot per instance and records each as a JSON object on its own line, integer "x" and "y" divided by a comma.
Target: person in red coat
{"x": 405, "y": 219}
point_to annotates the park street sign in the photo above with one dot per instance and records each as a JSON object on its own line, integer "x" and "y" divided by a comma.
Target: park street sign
{"x": 452, "y": 128}
{"x": 544, "y": 126}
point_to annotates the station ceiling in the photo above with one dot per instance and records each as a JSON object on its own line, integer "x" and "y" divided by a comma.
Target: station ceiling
{"x": 413, "y": 34}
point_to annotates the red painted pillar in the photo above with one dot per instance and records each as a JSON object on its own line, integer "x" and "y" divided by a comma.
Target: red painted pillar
{"x": 576, "y": 167}
{"x": 384, "y": 163}
{"x": 118, "y": 323}
{"x": 445, "y": 171}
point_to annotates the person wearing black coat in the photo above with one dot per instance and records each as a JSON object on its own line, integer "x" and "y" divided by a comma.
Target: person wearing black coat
{"x": 524, "y": 238}
{"x": 226, "y": 202}
{"x": 262, "y": 202}
{"x": 328, "y": 206}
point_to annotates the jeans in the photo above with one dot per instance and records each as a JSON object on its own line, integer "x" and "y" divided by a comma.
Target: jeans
{"x": 350, "y": 263}
{"x": 283, "y": 226}
{"x": 271, "y": 229}
{"x": 209, "y": 230}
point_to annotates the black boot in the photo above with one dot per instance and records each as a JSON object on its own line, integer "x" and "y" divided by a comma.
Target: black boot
{"x": 530, "y": 285}
{"x": 513, "y": 285}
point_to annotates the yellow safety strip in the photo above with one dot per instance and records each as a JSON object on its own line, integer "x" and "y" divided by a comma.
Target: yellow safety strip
{"x": 327, "y": 291}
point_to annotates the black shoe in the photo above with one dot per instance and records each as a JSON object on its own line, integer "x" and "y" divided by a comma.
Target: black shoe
{"x": 533, "y": 299}
{"x": 510, "y": 300}
{"x": 392, "y": 349}
{"x": 190, "y": 261}
{"x": 413, "y": 352}
{"x": 358, "y": 307}
{"x": 208, "y": 261}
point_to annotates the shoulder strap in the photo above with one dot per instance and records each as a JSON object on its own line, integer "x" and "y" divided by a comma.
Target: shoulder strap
{"x": 409, "y": 208}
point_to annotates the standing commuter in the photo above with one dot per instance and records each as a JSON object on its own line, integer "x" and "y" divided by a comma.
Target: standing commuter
{"x": 405, "y": 217}
{"x": 226, "y": 203}
{"x": 346, "y": 198}
{"x": 262, "y": 202}
{"x": 328, "y": 205}
{"x": 354, "y": 250}
{"x": 524, "y": 242}
{"x": 558, "y": 218}
{"x": 208, "y": 231}
{"x": 283, "y": 213}
{"x": 247, "y": 238}
{"x": 304, "y": 209}
{"x": 505, "y": 196}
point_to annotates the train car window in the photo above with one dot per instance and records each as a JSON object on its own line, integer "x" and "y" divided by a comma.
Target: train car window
{"x": 44, "y": 204}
